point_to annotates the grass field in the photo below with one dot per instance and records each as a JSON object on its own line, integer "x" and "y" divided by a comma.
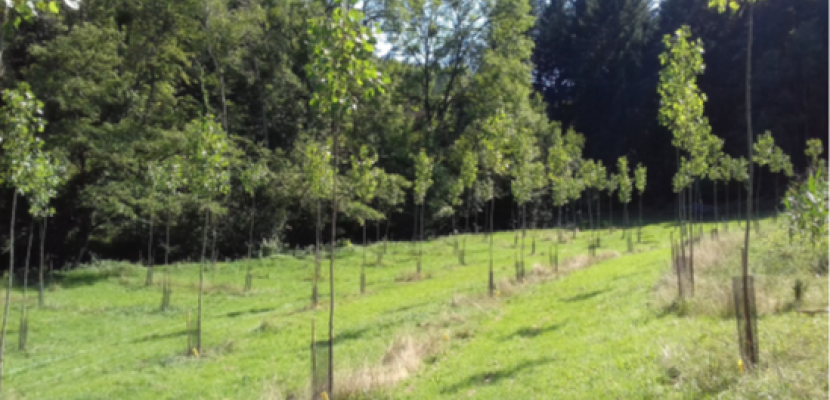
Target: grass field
{"x": 602, "y": 327}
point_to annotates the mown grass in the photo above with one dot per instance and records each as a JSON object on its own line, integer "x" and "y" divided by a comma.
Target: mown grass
{"x": 591, "y": 331}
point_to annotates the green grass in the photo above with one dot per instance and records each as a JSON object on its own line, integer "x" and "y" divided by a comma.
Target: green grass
{"x": 597, "y": 332}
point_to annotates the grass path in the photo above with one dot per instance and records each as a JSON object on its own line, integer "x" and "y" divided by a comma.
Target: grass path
{"x": 589, "y": 335}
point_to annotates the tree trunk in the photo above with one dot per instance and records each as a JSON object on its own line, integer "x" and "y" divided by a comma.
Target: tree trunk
{"x": 331, "y": 263}
{"x": 363, "y": 265}
{"x": 251, "y": 229}
{"x": 318, "y": 239}
{"x": 202, "y": 282}
{"x": 492, "y": 284}
{"x": 22, "y": 333}
{"x": 9, "y": 288}
{"x": 40, "y": 300}
{"x": 745, "y": 267}
{"x": 167, "y": 241}
{"x": 149, "y": 281}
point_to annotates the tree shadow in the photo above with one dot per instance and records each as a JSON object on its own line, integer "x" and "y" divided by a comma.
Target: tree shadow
{"x": 157, "y": 336}
{"x": 493, "y": 377}
{"x": 353, "y": 334}
{"x": 250, "y": 311}
{"x": 79, "y": 278}
{"x": 584, "y": 296}
{"x": 531, "y": 332}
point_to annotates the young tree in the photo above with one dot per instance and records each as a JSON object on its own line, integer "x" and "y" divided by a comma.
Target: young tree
{"x": 319, "y": 174}
{"x": 364, "y": 181}
{"x": 25, "y": 169}
{"x": 640, "y": 184}
{"x": 733, "y": 6}
{"x": 391, "y": 194}
{"x": 528, "y": 176}
{"x": 253, "y": 176}
{"x": 208, "y": 176}
{"x": 612, "y": 184}
{"x": 342, "y": 70}
{"x": 763, "y": 152}
{"x": 780, "y": 164}
{"x": 493, "y": 165}
{"x": 813, "y": 151}
{"x": 625, "y": 186}
{"x": 423, "y": 181}
{"x": 681, "y": 111}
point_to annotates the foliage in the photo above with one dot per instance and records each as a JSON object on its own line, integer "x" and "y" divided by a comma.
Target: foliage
{"x": 342, "y": 68}
{"x": 681, "y": 103}
{"x": 814, "y": 149}
{"x": 423, "y": 176}
{"x": 808, "y": 206}
{"x": 640, "y": 178}
{"x": 624, "y": 180}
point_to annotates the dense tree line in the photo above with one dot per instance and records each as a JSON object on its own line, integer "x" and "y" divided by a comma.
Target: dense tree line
{"x": 126, "y": 86}
{"x": 597, "y": 68}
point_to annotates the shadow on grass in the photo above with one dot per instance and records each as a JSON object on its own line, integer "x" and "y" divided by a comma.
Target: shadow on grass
{"x": 530, "y": 332}
{"x": 85, "y": 278}
{"x": 493, "y": 377}
{"x": 251, "y": 311}
{"x": 158, "y": 336}
{"x": 584, "y": 296}
{"x": 353, "y": 334}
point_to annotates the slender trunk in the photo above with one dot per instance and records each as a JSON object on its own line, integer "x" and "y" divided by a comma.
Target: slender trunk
{"x": 524, "y": 227}
{"x": 9, "y": 288}
{"x": 363, "y": 265}
{"x": 415, "y": 225}
{"x": 331, "y": 263}
{"x": 149, "y": 281}
{"x": 40, "y": 301}
{"x": 386, "y": 235}
{"x": 749, "y": 336}
{"x": 167, "y": 241}
{"x": 317, "y": 238}
{"x": 691, "y": 249}
{"x": 491, "y": 283}
{"x": 23, "y": 331}
{"x": 590, "y": 214}
{"x": 421, "y": 244}
{"x": 726, "y": 189}
{"x": 214, "y": 254}
{"x": 716, "y": 202}
{"x": 202, "y": 282}
{"x": 251, "y": 229}
{"x": 640, "y": 223}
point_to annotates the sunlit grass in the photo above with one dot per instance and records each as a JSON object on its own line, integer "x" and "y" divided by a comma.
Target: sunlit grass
{"x": 589, "y": 329}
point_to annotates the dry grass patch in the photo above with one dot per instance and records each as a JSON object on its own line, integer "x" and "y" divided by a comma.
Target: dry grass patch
{"x": 716, "y": 262}
{"x": 403, "y": 357}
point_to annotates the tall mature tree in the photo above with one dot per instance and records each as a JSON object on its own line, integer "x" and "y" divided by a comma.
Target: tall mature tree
{"x": 592, "y": 58}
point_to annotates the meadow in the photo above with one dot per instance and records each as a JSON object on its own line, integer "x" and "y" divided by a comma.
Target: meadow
{"x": 604, "y": 326}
